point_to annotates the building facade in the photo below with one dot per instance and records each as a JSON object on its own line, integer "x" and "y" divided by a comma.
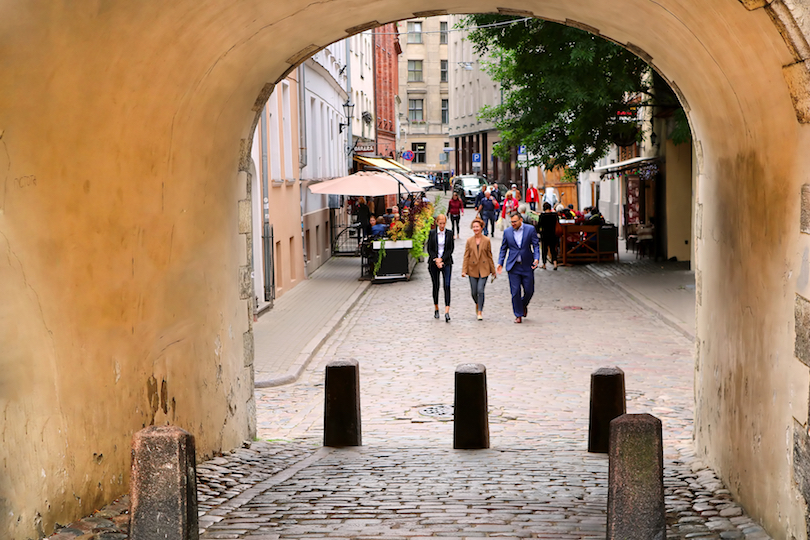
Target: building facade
{"x": 424, "y": 93}
{"x": 386, "y": 88}
{"x": 360, "y": 68}
{"x": 298, "y": 140}
{"x": 471, "y": 88}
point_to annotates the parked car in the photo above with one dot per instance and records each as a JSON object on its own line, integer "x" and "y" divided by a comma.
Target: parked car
{"x": 468, "y": 187}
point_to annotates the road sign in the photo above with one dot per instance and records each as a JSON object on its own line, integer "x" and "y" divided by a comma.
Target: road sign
{"x": 523, "y": 157}
{"x": 407, "y": 155}
{"x": 522, "y": 149}
{"x": 476, "y": 160}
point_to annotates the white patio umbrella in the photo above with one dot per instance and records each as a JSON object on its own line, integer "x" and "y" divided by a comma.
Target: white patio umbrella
{"x": 418, "y": 180}
{"x": 365, "y": 183}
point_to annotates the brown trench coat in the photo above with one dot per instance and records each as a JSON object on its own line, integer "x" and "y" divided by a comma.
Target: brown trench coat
{"x": 478, "y": 258}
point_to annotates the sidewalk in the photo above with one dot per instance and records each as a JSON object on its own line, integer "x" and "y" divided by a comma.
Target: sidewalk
{"x": 666, "y": 289}
{"x": 287, "y": 336}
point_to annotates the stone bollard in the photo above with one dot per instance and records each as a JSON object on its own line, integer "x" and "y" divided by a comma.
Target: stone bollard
{"x": 607, "y": 402}
{"x": 163, "y": 485}
{"x": 341, "y": 417}
{"x": 470, "y": 415}
{"x": 636, "y": 479}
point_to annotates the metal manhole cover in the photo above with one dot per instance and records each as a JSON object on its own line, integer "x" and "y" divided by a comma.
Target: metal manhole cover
{"x": 439, "y": 411}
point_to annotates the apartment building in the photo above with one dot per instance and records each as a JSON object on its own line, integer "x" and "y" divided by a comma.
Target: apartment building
{"x": 424, "y": 112}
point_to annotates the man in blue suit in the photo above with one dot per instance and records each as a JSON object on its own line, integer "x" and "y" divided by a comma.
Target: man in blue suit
{"x": 521, "y": 250}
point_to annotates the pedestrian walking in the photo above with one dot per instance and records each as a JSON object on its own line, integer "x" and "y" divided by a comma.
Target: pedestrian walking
{"x": 364, "y": 216}
{"x": 520, "y": 250}
{"x": 455, "y": 209}
{"x": 510, "y": 204}
{"x": 478, "y": 265}
{"x": 547, "y": 228}
{"x": 532, "y": 197}
{"x": 488, "y": 207}
{"x": 440, "y": 261}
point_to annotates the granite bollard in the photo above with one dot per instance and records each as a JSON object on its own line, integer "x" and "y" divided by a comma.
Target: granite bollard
{"x": 470, "y": 415}
{"x": 163, "y": 485}
{"x": 636, "y": 508}
{"x": 607, "y": 402}
{"x": 341, "y": 417}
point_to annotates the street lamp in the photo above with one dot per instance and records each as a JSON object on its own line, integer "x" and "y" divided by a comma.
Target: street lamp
{"x": 348, "y": 109}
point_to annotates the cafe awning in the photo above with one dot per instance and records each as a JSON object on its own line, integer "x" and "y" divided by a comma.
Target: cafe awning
{"x": 628, "y": 164}
{"x": 381, "y": 163}
{"x": 366, "y": 183}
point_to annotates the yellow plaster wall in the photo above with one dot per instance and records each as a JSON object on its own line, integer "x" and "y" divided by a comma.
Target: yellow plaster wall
{"x": 124, "y": 125}
{"x": 679, "y": 200}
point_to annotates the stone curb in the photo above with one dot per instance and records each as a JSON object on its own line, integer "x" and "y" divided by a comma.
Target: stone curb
{"x": 649, "y": 305}
{"x": 311, "y": 349}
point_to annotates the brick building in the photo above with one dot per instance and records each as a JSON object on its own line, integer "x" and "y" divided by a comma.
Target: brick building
{"x": 386, "y": 86}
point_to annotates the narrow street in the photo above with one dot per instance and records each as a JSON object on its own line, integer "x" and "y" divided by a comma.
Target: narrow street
{"x": 406, "y": 481}
{"x": 537, "y": 480}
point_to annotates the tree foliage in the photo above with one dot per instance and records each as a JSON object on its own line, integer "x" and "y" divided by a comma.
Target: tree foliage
{"x": 567, "y": 94}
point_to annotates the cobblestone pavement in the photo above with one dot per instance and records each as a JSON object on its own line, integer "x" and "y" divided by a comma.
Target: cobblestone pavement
{"x": 537, "y": 480}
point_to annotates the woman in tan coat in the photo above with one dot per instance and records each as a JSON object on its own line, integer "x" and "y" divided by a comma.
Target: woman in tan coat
{"x": 478, "y": 264}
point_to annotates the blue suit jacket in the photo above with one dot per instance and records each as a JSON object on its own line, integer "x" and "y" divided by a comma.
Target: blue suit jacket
{"x": 529, "y": 250}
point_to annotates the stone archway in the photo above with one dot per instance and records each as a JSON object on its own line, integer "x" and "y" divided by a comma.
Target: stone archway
{"x": 124, "y": 264}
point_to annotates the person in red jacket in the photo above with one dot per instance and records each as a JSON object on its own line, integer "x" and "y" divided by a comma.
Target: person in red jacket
{"x": 532, "y": 197}
{"x": 455, "y": 209}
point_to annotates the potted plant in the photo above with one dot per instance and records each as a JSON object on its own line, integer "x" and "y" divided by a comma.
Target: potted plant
{"x": 394, "y": 257}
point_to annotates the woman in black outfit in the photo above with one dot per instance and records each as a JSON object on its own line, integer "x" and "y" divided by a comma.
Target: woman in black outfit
{"x": 364, "y": 216}
{"x": 547, "y": 228}
{"x": 440, "y": 260}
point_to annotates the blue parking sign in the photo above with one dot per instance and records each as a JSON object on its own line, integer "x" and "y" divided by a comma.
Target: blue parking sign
{"x": 476, "y": 157}
{"x": 522, "y": 149}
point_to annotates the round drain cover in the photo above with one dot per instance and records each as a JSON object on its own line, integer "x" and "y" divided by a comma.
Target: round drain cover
{"x": 445, "y": 411}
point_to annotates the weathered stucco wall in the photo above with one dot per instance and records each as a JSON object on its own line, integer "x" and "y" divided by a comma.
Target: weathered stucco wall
{"x": 124, "y": 128}
{"x": 679, "y": 200}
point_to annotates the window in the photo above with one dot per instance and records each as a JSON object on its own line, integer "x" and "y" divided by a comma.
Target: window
{"x": 444, "y": 70}
{"x": 414, "y": 70}
{"x": 415, "y": 110}
{"x": 414, "y": 32}
{"x": 419, "y": 152}
{"x": 443, "y": 157}
{"x": 443, "y": 32}
{"x": 445, "y": 111}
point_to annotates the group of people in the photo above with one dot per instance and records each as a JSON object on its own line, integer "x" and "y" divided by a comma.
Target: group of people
{"x": 491, "y": 206}
{"x": 519, "y": 255}
{"x": 376, "y": 226}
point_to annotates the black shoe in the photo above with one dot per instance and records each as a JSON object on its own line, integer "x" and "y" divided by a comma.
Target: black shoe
{"x": 446, "y": 317}
{"x": 436, "y": 314}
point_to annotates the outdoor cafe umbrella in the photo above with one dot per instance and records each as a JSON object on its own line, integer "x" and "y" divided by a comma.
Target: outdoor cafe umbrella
{"x": 365, "y": 183}
{"x": 418, "y": 180}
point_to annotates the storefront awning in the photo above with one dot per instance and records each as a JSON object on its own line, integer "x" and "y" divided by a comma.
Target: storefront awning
{"x": 381, "y": 163}
{"x": 625, "y": 165}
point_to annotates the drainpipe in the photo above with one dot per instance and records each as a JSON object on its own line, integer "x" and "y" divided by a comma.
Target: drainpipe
{"x": 302, "y": 158}
{"x": 265, "y": 172}
{"x": 349, "y": 93}
{"x": 302, "y": 116}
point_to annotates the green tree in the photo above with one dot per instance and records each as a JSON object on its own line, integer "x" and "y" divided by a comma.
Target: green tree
{"x": 567, "y": 94}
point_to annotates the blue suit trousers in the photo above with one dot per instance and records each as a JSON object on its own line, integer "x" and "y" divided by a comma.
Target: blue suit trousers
{"x": 521, "y": 277}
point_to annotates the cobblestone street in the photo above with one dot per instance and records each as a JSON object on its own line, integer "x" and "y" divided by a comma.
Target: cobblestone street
{"x": 536, "y": 481}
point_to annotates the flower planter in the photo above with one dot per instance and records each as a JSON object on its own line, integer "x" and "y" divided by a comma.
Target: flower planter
{"x": 397, "y": 264}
